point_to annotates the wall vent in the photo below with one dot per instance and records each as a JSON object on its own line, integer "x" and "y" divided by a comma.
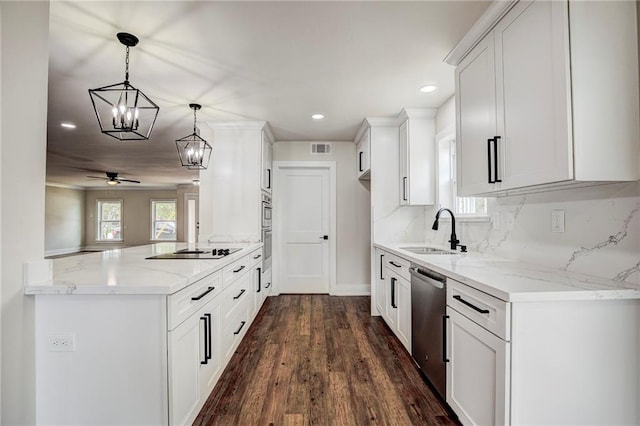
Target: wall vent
{"x": 321, "y": 148}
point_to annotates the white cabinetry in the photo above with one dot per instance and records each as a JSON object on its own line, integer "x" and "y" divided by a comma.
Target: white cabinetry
{"x": 363, "y": 155}
{"x": 393, "y": 296}
{"x": 380, "y": 296}
{"x": 267, "y": 161}
{"x": 532, "y": 110}
{"x": 417, "y": 157}
{"x": 562, "y": 355}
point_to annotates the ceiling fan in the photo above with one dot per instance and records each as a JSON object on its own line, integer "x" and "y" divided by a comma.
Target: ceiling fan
{"x": 113, "y": 179}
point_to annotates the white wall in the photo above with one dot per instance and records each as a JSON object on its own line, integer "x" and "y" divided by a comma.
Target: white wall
{"x": 64, "y": 223}
{"x": 353, "y": 212}
{"x": 24, "y": 67}
{"x": 602, "y": 229}
{"x": 136, "y": 214}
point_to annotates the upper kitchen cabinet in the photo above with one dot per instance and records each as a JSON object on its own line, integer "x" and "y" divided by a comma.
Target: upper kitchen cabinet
{"x": 363, "y": 157}
{"x": 267, "y": 161}
{"x": 541, "y": 103}
{"x": 231, "y": 188}
{"x": 417, "y": 157}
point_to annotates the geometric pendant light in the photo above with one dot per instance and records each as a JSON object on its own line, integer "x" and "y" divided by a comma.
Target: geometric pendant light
{"x": 194, "y": 151}
{"x": 123, "y": 111}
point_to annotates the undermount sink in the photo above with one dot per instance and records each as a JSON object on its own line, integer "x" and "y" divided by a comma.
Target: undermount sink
{"x": 427, "y": 250}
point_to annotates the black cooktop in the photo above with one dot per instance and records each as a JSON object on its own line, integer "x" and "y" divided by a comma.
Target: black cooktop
{"x": 203, "y": 253}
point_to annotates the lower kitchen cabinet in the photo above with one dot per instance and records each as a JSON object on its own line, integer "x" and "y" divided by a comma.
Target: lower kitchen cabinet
{"x": 477, "y": 373}
{"x": 544, "y": 362}
{"x": 142, "y": 358}
{"x": 404, "y": 313}
{"x": 379, "y": 291}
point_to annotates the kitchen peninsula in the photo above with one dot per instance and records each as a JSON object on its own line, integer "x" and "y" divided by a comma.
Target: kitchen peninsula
{"x": 124, "y": 339}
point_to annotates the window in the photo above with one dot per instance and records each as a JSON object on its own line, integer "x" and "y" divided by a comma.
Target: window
{"x": 461, "y": 206}
{"x": 163, "y": 220}
{"x": 109, "y": 220}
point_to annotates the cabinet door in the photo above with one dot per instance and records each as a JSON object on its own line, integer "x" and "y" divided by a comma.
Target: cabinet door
{"x": 363, "y": 162}
{"x": 532, "y": 86}
{"x": 186, "y": 352}
{"x": 380, "y": 292}
{"x": 404, "y": 163}
{"x": 391, "y": 307}
{"x": 210, "y": 368}
{"x": 267, "y": 162}
{"x": 404, "y": 313}
{"x": 477, "y": 372}
{"x": 476, "y": 112}
{"x": 258, "y": 291}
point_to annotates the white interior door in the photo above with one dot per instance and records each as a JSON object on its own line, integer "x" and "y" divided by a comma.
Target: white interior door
{"x": 191, "y": 214}
{"x": 304, "y": 219}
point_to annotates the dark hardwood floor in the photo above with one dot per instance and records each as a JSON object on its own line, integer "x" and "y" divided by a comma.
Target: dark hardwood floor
{"x": 317, "y": 359}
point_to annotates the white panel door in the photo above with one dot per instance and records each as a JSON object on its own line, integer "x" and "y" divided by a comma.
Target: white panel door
{"x": 304, "y": 220}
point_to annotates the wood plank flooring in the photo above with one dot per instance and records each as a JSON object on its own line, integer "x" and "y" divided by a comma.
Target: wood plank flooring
{"x": 317, "y": 359}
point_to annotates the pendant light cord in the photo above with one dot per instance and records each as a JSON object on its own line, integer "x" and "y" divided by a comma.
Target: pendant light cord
{"x": 194, "y": 121}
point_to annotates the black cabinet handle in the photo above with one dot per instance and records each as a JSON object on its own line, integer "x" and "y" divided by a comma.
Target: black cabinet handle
{"x": 257, "y": 256}
{"x": 471, "y": 305}
{"x": 496, "y": 139}
{"x": 241, "y": 325}
{"x": 404, "y": 188}
{"x": 444, "y": 338}
{"x": 207, "y": 291}
{"x": 395, "y": 264}
{"x": 206, "y": 339}
{"x": 360, "y": 161}
{"x": 268, "y": 178}
{"x": 239, "y": 294}
{"x": 393, "y": 293}
{"x": 381, "y": 264}
{"x": 239, "y": 269}
{"x": 259, "y": 279}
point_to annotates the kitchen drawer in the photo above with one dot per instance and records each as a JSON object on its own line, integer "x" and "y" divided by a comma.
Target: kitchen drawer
{"x": 487, "y": 311}
{"x": 398, "y": 265}
{"x": 236, "y": 294}
{"x": 238, "y": 268}
{"x": 188, "y": 300}
{"x": 234, "y": 330}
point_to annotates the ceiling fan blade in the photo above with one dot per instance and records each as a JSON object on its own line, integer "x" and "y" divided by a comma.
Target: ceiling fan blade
{"x": 96, "y": 177}
{"x": 128, "y": 180}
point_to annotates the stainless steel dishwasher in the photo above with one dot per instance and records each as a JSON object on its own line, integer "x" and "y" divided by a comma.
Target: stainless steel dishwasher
{"x": 428, "y": 316}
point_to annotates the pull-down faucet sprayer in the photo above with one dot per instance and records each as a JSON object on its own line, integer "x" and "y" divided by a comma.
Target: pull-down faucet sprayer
{"x": 454, "y": 240}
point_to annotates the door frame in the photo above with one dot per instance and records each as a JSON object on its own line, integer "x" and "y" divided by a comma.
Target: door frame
{"x": 278, "y": 168}
{"x": 185, "y": 222}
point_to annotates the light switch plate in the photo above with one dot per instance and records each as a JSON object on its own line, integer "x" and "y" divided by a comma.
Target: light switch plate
{"x": 557, "y": 220}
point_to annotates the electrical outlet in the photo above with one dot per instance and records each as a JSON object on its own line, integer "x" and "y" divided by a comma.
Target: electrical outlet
{"x": 62, "y": 342}
{"x": 557, "y": 220}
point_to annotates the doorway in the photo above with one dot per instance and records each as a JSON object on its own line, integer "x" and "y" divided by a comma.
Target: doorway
{"x": 191, "y": 214}
{"x": 304, "y": 226}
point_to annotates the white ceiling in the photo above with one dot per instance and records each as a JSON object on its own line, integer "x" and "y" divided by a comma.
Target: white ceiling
{"x": 273, "y": 61}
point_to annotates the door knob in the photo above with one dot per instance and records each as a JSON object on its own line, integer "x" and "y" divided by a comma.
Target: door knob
{"x": 324, "y": 237}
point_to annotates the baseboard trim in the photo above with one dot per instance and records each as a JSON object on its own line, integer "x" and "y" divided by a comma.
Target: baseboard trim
{"x": 58, "y": 252}
{"x": 351, "y": 290}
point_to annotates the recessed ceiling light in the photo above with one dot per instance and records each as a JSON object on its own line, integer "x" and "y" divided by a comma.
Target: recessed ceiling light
{"x": 68, "y": 125}
{"x": 317, "y": 116}
{"x": 429, "y": 88}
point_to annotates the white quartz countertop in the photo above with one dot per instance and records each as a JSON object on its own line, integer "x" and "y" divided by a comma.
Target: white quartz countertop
{"x": 127, "y": 271}
{"x": 515, "y": 281}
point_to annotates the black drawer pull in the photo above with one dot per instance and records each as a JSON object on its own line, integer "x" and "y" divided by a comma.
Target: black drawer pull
{"x": 471, "y": 305}
{"x": 239, "y": 294}
{"x": 257, "y": 256}
{"x": 239, "y": 269}
{"x": 395, "y": 264}
{"x": 207, "y": 291}
{"x": 241, "y": 325}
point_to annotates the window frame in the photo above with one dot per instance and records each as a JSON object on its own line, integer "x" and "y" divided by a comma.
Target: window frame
{"x": 99, "y": 220}
{"x": 448, "y": 136}
{"x": 153, "y": 219}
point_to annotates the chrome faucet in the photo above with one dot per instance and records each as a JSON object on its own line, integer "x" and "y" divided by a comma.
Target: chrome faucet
{"x": 454, "y": 240}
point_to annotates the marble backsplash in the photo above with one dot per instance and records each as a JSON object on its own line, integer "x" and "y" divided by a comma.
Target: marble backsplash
{"x": 601, "y": 238}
